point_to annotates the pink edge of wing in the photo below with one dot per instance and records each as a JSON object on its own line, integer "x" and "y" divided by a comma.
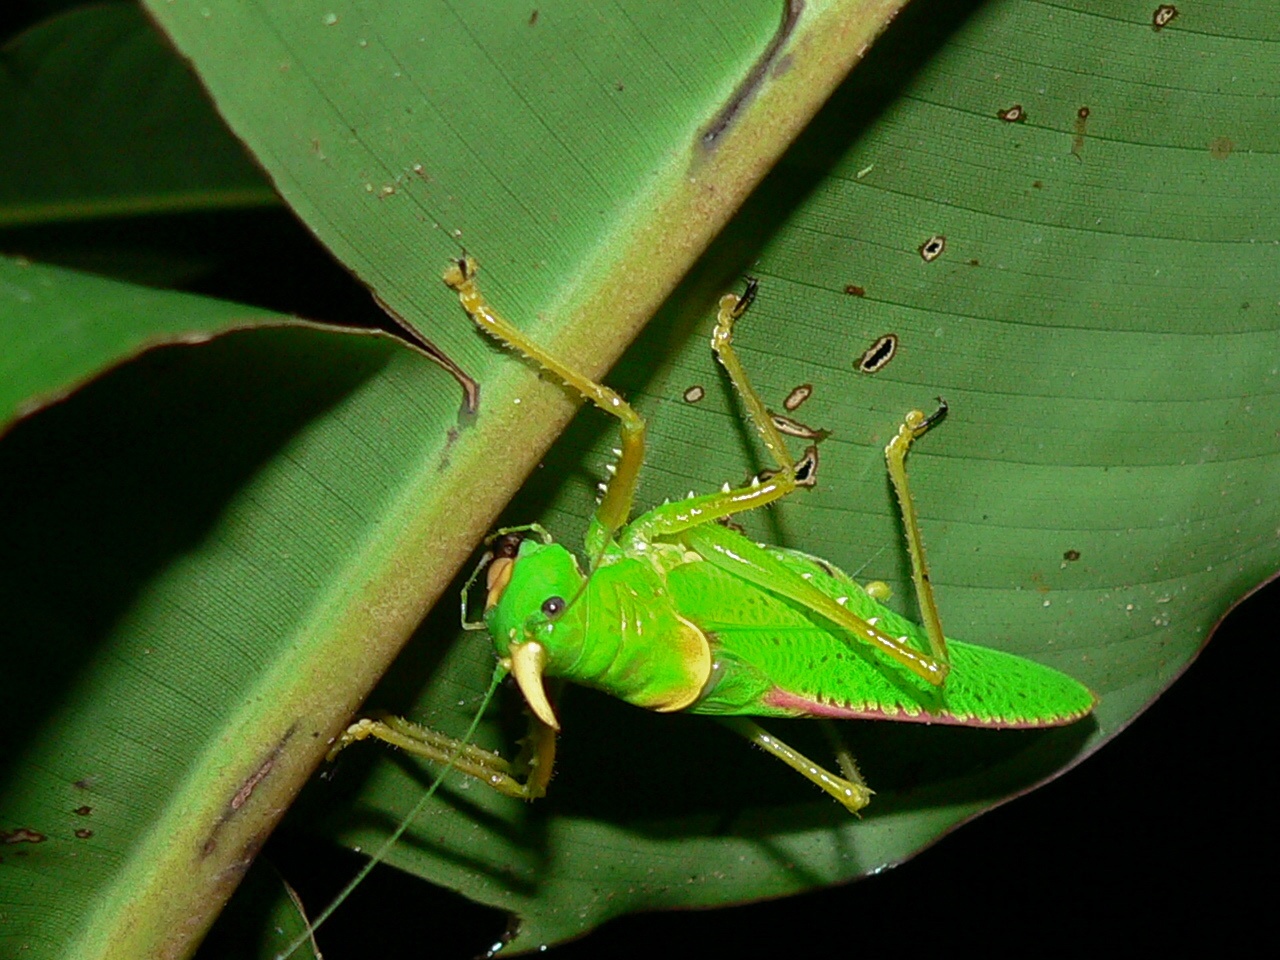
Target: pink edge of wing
{"x": 803, "y": 706}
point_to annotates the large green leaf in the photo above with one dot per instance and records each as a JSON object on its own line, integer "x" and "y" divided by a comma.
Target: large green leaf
{"x": 1105, "y": 408}
{"x": 59, "y": 330}
{"x": 259, "y": 582}
{"x": 1098, "y": 498}
{"x": 177, "y": 534}
{"x": 111, "y": 124}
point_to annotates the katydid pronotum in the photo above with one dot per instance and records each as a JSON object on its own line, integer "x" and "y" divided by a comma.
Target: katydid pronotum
{"x": 677, "y": 612}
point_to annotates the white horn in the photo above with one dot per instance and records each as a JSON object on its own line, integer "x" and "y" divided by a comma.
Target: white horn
{"x": 527, "y": 663}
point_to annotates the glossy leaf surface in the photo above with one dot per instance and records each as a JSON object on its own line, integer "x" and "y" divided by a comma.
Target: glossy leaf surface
{"x": 1099, "y": 314}
{"x": 1096, "y": 501}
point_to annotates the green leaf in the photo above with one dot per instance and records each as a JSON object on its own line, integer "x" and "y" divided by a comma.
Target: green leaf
{"x": 111, "y": 124}
{"x": 239, "y": 549}
{"x": 395, "y": 149}
{"x": 60, "y": 329}
{"x": 189, "y": 524}
{"x": 1096, "y": 501}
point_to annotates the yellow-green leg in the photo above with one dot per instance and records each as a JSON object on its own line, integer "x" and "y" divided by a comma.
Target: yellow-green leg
{"x": 615, "y": 505}
{"x": 914, "y": 426}
{"x": 676, "y": 517}
{"x": 849, "y": 790}
{"x": 527, "y": 778}
{"x": 535, "y": 763}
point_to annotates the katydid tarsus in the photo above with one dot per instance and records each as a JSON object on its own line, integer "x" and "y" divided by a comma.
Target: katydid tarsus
{"x": 677, "y": 612}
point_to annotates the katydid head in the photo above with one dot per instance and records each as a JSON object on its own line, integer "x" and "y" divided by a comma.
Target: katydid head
{"x": 529, "y": 587}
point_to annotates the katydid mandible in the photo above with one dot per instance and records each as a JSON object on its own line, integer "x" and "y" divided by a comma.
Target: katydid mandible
{"x": 677, "y": 612}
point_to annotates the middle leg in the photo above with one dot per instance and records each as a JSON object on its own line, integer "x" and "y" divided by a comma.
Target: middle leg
{"x": 673, "y": 518}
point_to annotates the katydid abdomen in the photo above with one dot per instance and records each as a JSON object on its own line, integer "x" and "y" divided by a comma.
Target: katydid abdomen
{"x": 773, "y": 657}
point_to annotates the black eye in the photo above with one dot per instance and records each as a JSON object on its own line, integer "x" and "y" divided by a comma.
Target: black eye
{"x": 553, "y": 606}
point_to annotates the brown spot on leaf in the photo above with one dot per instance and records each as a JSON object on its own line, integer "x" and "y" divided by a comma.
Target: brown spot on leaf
{"x": 933, "y": 248}
{"x": 1082, "y": 125}
{"x": 854, "y": 290}
{"x": 794, "y": 428}
{"x": 798, "y": 396}
{"x": 83, "y": 811}
{"x": 1014, "y": 114}
{"x": 807, "y": 468}
{"x": 806, "y": 471}
{"x": 694, "y": 394}
{"x": 246, "y": 789}
{"x": 83, "y": 834}
{"x": 1162, "y": 16}
{"x": 731, "y": 524}
{"x": 877, "y": 356}
{"x": 22, "y": 835}
{"x": 1071, "y": 555}
{"x": 1220, "y": 148}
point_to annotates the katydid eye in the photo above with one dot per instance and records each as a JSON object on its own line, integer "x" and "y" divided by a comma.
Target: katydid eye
{"x": 553, "y": 606}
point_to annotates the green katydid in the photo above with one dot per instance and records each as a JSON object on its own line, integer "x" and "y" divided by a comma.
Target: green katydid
{"x": 677, "y": 612}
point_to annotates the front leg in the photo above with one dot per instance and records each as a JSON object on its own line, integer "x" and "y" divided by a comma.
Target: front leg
{"x": 525, "y": 779}
{"x": 615, "y": 505}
